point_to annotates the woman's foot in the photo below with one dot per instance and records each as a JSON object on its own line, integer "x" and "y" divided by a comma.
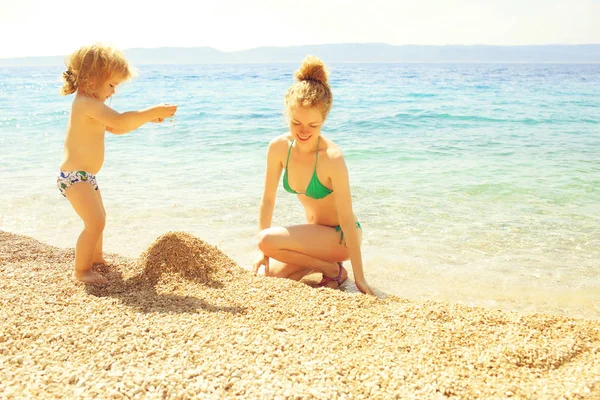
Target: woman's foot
{"x": 90, "y": 277}
{"x": 336, "y": 281}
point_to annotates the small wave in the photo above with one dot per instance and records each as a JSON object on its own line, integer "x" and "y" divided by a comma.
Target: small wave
{"x": 449, "y": 117}
{"x": 253, "y": 116}
{"x": 422, "y": 95}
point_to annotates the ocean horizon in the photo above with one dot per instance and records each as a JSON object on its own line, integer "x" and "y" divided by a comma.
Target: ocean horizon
{"x": 474, "y": 183}
{"x": 347, "y": 53}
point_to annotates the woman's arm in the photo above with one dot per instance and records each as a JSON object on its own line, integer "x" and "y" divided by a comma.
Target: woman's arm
{"x": 343, "y": 200}
{"x": 267, "y": 202}
{"x": 272, "y": 175}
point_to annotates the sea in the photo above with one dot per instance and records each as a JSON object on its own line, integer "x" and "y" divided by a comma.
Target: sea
{"x": 476, "y": 184}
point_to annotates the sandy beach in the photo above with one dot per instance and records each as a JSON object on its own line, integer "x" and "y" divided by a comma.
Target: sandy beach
{"x": 185, "y": 321}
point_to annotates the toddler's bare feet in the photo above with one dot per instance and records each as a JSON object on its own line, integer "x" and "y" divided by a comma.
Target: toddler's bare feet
{"x": 99, "y": 261}
{"x": 90, "y": 277}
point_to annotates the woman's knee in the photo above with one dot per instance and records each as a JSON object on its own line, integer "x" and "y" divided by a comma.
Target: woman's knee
{"x": 268, "y": 240}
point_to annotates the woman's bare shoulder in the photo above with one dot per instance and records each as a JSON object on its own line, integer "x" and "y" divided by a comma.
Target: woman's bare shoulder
{"x": 280, "y": 142}
{"x": 333, "y": 151}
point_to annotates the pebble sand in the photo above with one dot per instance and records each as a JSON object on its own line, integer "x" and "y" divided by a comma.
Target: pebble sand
{"x": 185, "y": 321}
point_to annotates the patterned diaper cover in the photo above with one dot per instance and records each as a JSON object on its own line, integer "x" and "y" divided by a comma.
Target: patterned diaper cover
{"x": 67, "y": 178}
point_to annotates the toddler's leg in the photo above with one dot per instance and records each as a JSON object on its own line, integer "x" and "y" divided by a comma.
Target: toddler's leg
{"x": 86, "y": 203}
{"x": 98, "y": 257}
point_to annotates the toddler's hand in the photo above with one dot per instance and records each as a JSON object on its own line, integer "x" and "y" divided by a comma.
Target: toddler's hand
{"x": 158, "y": 120}
{"x": 165, "y": 110}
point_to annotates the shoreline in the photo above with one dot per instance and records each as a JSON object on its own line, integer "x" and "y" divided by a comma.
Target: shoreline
{"x": 184, "y": 319}
{"x": 413, "y": 276}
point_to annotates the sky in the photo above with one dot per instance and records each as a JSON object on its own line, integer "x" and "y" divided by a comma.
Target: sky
{"x": 58, "y": 27}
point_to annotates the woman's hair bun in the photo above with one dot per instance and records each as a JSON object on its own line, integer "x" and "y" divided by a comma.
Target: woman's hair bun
{"x": 312, "y": 69}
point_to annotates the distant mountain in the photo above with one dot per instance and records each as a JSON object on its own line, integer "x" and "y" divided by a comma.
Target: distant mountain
{"x": 351, "y": 52}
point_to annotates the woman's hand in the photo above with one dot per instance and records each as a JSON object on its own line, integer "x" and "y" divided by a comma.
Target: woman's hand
{"x": 363, "y": 286}
{"x": 262, "y": 260}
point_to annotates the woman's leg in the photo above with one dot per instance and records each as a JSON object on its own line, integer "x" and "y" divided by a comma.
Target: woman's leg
{"x": 280, "y": 269}
{"x": 303, "y": 247}
{"x": 84, "y": 200}
{"x": 98, "y": 257}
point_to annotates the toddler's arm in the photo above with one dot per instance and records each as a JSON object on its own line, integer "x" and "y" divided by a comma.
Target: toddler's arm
{"x": 120, "y": 123}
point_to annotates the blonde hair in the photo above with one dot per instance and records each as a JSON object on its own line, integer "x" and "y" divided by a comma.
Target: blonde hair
{"x": 91, "y": 66}
{"x": 312, "y": 87}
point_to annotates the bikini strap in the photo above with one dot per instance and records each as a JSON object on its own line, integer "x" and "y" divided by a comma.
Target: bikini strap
{"x": 317, "y": 157}
{"x": 288, "y": 157}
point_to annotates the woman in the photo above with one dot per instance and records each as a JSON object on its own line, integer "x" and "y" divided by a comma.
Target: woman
{"x": 314, "y": 170}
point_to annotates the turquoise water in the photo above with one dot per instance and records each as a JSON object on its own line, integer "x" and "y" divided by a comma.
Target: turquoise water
{"x": 474, "y": 183}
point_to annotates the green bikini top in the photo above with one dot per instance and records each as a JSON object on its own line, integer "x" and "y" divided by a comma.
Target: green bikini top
{"x": 315, "y": 189}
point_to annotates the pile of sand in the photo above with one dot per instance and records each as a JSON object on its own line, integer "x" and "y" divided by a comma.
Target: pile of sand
{"x": 185, "y": 321}
{"x": 178, "y": 255}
